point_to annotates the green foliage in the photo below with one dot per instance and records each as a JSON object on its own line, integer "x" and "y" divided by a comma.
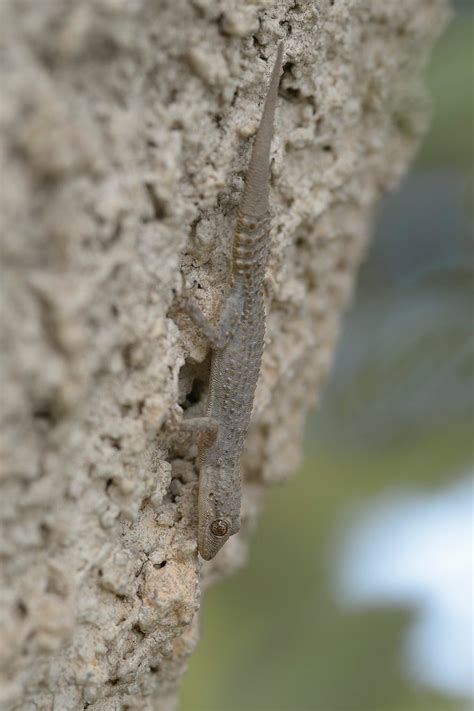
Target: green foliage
{"x": 450, "y": 79}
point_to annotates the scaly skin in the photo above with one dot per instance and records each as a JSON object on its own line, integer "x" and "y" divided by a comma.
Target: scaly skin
{"x": 234, "y": 373}
{"x": 238, "y": 347}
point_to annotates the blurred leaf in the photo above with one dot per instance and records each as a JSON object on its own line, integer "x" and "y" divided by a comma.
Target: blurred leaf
{"x": 412, "y": 370}
{"x": 450, "y": 77}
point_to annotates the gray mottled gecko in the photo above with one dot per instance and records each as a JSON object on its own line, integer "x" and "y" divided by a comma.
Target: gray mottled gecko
{"x": 237, "y": 343}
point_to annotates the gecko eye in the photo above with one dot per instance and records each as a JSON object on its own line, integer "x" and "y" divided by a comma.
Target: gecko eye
{"x": 219, "y": 527}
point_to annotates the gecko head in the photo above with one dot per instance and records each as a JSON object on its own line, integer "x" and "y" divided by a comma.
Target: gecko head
{"x": 216, "y": 525}
{"x": 212, "y": 536}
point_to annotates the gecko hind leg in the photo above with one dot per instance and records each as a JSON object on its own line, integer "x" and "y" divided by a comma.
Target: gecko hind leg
{"x": 220, "y": 334}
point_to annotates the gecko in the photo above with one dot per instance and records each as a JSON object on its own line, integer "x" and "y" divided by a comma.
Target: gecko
{"x": 237, "y": 347}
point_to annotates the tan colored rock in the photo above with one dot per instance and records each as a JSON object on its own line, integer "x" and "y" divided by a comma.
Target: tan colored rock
{"x": 124, "y": 128}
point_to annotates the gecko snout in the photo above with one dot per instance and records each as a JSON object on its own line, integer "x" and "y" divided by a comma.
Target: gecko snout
{"x": 213, "y": 533}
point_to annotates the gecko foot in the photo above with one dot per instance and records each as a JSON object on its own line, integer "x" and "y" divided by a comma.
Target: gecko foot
{"x": 203, "y": 429}
{"x": 206, "y": 429}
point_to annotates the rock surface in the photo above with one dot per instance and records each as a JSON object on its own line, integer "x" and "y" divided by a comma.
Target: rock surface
{"x": 124, "y": 145}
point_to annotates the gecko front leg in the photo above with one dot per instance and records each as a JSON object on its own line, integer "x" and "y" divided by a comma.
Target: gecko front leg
{"x": 206, "y": 428}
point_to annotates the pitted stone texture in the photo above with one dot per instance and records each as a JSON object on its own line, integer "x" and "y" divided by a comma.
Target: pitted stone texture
{"x": 125, "y": 129}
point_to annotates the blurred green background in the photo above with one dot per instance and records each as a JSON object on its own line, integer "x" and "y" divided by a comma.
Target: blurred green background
{"x": 294, "y": 630}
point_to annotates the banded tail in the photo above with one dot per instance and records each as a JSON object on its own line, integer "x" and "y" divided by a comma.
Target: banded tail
{"x": 255, "y": 196}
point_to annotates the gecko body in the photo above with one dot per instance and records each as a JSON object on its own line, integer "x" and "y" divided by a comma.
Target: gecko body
{"x": 237, "y": 347}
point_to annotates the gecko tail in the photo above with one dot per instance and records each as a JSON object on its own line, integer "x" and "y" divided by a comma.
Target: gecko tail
{"x": 256, "y": 191}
